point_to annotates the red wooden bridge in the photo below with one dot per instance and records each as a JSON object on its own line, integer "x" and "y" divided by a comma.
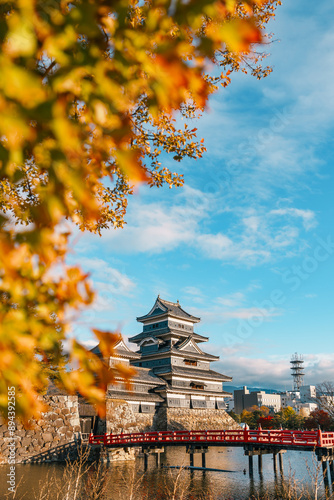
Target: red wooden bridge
{"x": 255, "y": 443}
{"x": 308, "y": 440}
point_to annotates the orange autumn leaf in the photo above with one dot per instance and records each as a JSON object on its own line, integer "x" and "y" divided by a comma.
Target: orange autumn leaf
{"x": 107, "y": 341}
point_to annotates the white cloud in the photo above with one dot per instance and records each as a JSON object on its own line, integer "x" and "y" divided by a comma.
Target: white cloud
{"x": 275, "y": 370}
{"x": 219, "y": 314}
{"x": 248, "y": 313}
{"x": 215, "y": 246}
{"x": 157, "y": 227}
{"x": 307, "y": 216}
{"x": 194, "y": 293}
{"x": 107, "y": 279}
{"x": 192, "y": 290}
{"x": 252, "y": 235}
{"x": 256, "y": 371}
{"x": 231, "y": 300}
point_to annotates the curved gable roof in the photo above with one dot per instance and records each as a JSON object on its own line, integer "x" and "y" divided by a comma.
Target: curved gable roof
{"x": 161, "y": 307}
{"x": 189, "y": 345}
{"x": 120, "y": 350}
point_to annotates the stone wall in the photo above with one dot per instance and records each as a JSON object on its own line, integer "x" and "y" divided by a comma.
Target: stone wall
{"x": 47, "y": 438}
{"x": 173, "y": 419}
{"x": 120, "y": 417}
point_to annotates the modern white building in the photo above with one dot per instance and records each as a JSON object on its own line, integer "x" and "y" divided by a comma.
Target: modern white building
{"x": 306, "y": 409}
{"x": 244, "y": 399}
{"x": 302, "y": 400}
{"x": 307, "y": 393}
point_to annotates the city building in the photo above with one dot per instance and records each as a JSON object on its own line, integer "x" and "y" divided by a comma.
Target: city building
{"x": 244, "y": 399}
{"x": 302, "y": 401}
{"x": 308, "y": 393}
{"x": 289, "y": 399}
{"x": 305, "y": 409}
{"x": 229, "y": 404}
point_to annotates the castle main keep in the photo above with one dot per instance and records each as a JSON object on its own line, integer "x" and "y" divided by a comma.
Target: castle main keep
{"x": 174, "y": 385}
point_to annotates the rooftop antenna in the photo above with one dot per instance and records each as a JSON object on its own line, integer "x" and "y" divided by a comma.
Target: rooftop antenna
{"x": 297, "y": 367}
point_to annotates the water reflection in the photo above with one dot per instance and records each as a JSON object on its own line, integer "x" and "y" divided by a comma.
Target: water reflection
{"x": 129, "y": 481}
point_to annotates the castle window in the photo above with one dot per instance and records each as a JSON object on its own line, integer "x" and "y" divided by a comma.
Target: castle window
{"x": 190, "y": 362}
{"x": 195, "y": 385}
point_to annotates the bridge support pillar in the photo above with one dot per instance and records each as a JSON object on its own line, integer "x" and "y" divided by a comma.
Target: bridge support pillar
{"x": 275, "y": 462}
{"x": 325, "y": 474}
{"x": 253, "y": 450}
{"x": 280, "y": 460}
{"x": 250, "y": 465}
{"x": 325, "y": 455}
{"x": 197, "y": 448}
{"x": 331, "y": 469}
{"x": 150, "y": 450}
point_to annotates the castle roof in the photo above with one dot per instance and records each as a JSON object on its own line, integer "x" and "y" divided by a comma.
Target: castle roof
{"x": 183, "y": 390}
{"x": 135, "y": 396}
{"x": 189, "y": 347}
{"x": 146, "y": 376}
{"x": 121, "y": 350}
{"x": 163, "y": 307}
{"x": 192, "y": 373}
{"x": 168, "y": 350}
{"x": 167, "y": 333}
{"x": 143, "y": 377}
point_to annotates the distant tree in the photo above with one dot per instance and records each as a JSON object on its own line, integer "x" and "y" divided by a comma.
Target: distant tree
{"x": 235, "y": 416}
{"x": 319, "y": 418}
{"x": 264, "y": 410}
{"x": 253, "y": 415}
{"x": 246, "y": 417}
{"x": 325, "y": 397}
{"x": 266, "y": 422}
{"x": 287, "y": 418}
{"x": 303, "y": 412}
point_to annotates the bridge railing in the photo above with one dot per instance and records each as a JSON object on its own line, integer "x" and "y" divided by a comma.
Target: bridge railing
{"x": 284, "y": 437}
{"x": 327, "y": 439}
{"x": 242, "y": 436}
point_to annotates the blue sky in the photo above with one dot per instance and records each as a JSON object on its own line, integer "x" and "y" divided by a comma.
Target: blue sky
{"x": 248, "y": 243}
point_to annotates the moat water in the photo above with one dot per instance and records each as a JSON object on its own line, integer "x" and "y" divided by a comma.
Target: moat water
{"x": 129, "y": 481}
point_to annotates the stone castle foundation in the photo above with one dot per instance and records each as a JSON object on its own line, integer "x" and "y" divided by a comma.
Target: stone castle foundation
{"x": 122, "y": 418}
{"x": 48, "y": 438}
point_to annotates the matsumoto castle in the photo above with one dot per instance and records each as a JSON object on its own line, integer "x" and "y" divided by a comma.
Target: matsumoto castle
{"x": 171, "y": 368}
